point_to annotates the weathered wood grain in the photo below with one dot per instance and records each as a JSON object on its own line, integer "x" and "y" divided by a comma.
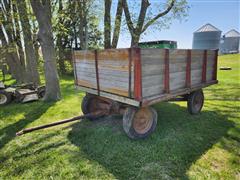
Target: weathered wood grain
{"x": 153, "y": 90}
{"x": 113, "y": 68}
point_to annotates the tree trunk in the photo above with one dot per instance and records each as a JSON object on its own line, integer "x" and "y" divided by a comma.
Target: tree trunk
{"x": 59, "y": 41}
{"x": 135, "y": 40}
{"x": 35, "y": 42}
{"x": 12, "y": 56}
{"x": 32, "y": 70}
{"x": 42, "y": 11}
{"x": 17, "y": 37}
{"x": 107, "y": 24}
{"x": 117, "y": 26}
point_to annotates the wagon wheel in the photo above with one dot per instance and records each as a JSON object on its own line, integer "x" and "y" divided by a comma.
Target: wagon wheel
{"x": 5, "y": 98}
{"x": 92, "y": 103}
{"x": 195, "y": 102}
{"x": 139, "y": 123}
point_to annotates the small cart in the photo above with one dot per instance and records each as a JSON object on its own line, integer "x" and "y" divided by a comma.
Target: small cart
{"x": 129, "y": 81}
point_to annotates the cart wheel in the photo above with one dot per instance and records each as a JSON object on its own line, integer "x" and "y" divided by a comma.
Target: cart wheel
{"x": 41, "y": 91}
{"x": 195, "y": 102}
{"x": 5, "y": 98}
{"x": 92, "y": 103}
{"x": 139, "y": 123}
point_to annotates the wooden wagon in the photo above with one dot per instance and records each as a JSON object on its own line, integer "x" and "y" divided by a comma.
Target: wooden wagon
{"x": 128, "y": 81}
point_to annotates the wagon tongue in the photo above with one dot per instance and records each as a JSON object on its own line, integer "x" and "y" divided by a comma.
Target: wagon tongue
{"x": 96, "y": 114}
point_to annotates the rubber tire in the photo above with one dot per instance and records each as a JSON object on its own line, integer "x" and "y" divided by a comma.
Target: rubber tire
{"x": 128, "y": 118}
{"x": 85, "y": 103}
{"x": 8, "y": 96}
{"x": 41, "y": 91}
{"x": 191, "y": 97}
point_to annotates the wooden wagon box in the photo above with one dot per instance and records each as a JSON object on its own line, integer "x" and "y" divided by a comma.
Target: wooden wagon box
{"x": 141, "y": 77}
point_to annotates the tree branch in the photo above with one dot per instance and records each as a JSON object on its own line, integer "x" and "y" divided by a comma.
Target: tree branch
{"x": 128, "y": 17}
{"x": 145, "y": 4}
{"x": 117, "y": 26}
{"x": 150, "y": 22}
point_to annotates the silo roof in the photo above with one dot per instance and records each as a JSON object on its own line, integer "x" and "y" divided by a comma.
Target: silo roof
{"x": 207, "y": 27}
{"x": 232, "y": 33}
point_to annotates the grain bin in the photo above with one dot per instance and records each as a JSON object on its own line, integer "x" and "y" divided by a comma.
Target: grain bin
{"x": 230, "y": 42}
{"x": 206, "y": 37}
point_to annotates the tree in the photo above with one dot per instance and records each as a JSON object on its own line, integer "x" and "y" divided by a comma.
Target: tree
{"x": 31, "y": 59}
{"x": 177, "y": 7}
{"x": 107, "y": 24}
{"x": 42, "y": 11}
{"x": 60, "y": 36}
{"x": 8, "y": 39}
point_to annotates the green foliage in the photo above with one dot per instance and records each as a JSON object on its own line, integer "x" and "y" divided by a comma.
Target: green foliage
{"x": 204, "y": 146}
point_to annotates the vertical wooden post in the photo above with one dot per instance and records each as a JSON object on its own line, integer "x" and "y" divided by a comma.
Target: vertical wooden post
{"x": 214, "y": 75}
{"x": 166, "y": 71}
{"x": 137, "y": 74}
{"x": 204, "y": 67}
{"x": 75, "y": 68}
{"x": 188, "y": 69}
{"x": 96, "y": 68}
{"x": 130, "y": 72}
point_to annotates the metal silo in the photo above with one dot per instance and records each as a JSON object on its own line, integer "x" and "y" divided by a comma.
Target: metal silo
{"x": 207, "y": 37}
{"x": 230, "y": 42}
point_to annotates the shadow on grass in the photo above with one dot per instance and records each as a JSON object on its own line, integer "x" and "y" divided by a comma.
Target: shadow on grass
{"x": 31, "y": 114}
{"x": 179, "y": 140}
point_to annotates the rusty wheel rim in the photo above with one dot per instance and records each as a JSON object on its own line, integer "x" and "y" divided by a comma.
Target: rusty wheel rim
{"x": 198, "y": 101}
{"x": 143, "y": 120}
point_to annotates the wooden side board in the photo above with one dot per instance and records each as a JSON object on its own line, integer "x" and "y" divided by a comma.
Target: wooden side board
{"x": 143, "y": 74}
{"x": 185, "y": 69}
{"x": 105, "y": 70}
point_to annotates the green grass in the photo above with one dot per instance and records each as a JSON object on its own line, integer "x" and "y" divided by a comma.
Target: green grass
{"x": 206, "y": 146}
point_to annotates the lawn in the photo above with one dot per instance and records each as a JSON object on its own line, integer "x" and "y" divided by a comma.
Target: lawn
{"x": 206, "y": 146}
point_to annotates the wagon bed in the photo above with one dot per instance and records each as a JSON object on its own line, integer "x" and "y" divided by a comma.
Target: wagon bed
{"x": 141, "y": 77}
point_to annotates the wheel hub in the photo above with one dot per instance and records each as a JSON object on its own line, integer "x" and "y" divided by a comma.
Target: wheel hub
{"x": 142, "y": 121}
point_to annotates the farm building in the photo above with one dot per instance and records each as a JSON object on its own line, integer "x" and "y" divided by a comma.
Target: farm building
{"x": 230, "y": 42}
{"x": 207, "y": 37}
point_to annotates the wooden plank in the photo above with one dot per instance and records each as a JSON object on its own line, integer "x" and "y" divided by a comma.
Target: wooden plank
{"x": 152, "y": 61}
{"x": 113, "y": 54}
{"x": 110, "y": 96}
{"x": 103, "y": 66}
{"x": 165, "y": 97}
{"x": 105, "y": 82}
{"x": 150, "y": 52}
{"x": 152, "y": 70}
{"x": 152, "y": 80}
{"x": 153, "y": 90}
{"x": 86, "y": 83}
{"x": 84, "y": 55}
{"x": 106, "y": 72}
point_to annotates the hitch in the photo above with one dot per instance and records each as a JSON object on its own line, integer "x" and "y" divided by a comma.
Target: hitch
{"x": 90, "y": 115}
